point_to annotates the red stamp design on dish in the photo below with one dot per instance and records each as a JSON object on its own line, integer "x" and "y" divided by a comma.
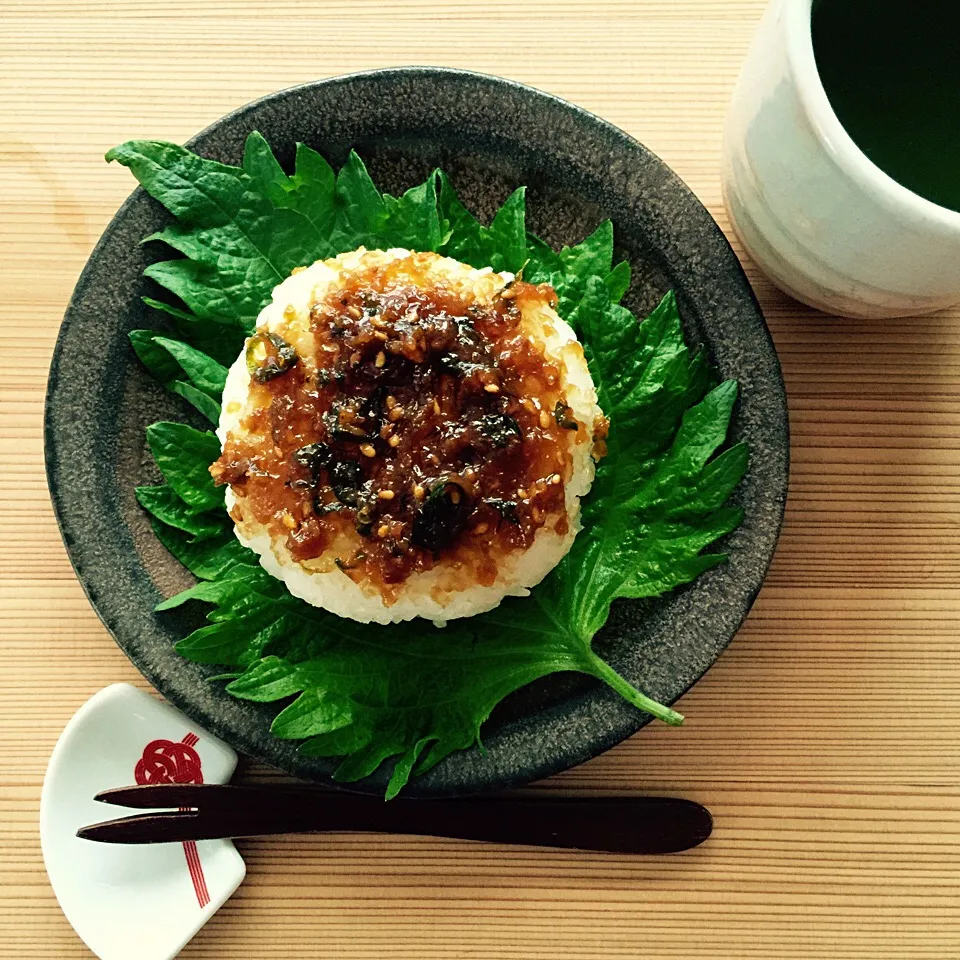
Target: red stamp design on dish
{"x": 166, "y": 761}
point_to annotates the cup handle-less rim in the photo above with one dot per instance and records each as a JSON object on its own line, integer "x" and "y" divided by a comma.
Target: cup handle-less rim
{"x": 838, "y": 143}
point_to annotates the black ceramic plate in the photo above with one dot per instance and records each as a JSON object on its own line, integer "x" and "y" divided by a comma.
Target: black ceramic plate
{"x": 490, "y": 136}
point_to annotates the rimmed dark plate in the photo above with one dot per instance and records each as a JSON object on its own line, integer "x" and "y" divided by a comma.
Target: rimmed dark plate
{"x": 490, "y": 135}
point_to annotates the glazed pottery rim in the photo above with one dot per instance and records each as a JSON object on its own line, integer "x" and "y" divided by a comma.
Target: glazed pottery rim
{"x": 618, "y": 729}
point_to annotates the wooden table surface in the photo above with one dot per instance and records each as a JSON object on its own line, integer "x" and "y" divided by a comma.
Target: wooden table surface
{"x": 826, "y": 740}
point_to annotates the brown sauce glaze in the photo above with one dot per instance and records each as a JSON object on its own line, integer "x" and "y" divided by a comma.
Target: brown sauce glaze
{"x": 425, "y": 427}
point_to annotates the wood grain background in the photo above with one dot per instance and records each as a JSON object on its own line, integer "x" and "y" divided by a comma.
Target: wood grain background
{"x": 826, "y": 740}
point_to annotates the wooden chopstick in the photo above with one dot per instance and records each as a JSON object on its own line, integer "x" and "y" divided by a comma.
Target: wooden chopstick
{"x": 614, "y": 824}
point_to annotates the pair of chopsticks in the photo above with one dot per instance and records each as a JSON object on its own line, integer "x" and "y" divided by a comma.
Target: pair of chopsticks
{"x": 213, "y": 811}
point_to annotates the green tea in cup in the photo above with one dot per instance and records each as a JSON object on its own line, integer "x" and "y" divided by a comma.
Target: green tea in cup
{"x": 891, "y": 71}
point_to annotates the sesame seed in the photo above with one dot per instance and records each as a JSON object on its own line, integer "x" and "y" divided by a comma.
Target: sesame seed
{"x": 436, "y": 407}
{"x": 454, "y": 496}
{"x": 419, "y": 492}
{"x": 391, "y": 401}
{"x": 367, "y": 449}
{"x": 354, "y": 358}
{"x": 355, "y": 312}
{"x": 288, "y": 520}
{"x": 544, "y": 419}
{"x": 394, "y": 441}
{"x": 492, "y": 388}
{"x": 381, "y": 359}
{"x": 481, "y": 528}
{"x": 521, "y": 493}
{"x": 386, "y": 494}
{"x": 395, "y": 414}
{"x": 383, "y": 530}
{"x": 555, "y": 479}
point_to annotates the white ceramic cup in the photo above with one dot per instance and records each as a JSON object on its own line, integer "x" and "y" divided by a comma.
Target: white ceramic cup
{"x": 825, "y": 223}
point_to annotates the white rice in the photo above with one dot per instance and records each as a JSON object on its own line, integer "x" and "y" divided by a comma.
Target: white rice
{"x": 437, "y": 594}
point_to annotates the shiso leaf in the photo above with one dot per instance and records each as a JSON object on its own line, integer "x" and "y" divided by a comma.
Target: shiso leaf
{"x": 408, "y": 692}
{"x": 508, "y": 235}
{"x": 314, "y": 712}
{"x": 310, "y": 191}
{"x": 221, "y": 338}
{"x": 184, "y": 455}
{"x": 206, "y": 559}
{"x": 358, "y": 208}
{"x": 154, "y": 357}
{"x": 413, "y": 221}
{"x": 618, "y": 281}
{"x": 168, "y": 360}
{"x": 271, "y": 679}
{"x": 340, "y": 743}
{"x": 203, "y": 372}
{"x": 569, "y": 270}
{"x": 262, "y": 167}
{"x": 209, "y": 294}
{"x": 237, "y": 243}
{"x": 502, "y": 245}
{"x": 227, "y": 642}
{"x": 201, "y": 401}
{"x": 168, "y": 508}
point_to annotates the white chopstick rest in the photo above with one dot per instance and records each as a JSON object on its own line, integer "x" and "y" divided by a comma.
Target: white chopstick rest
{"x": 132, "y": 901}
